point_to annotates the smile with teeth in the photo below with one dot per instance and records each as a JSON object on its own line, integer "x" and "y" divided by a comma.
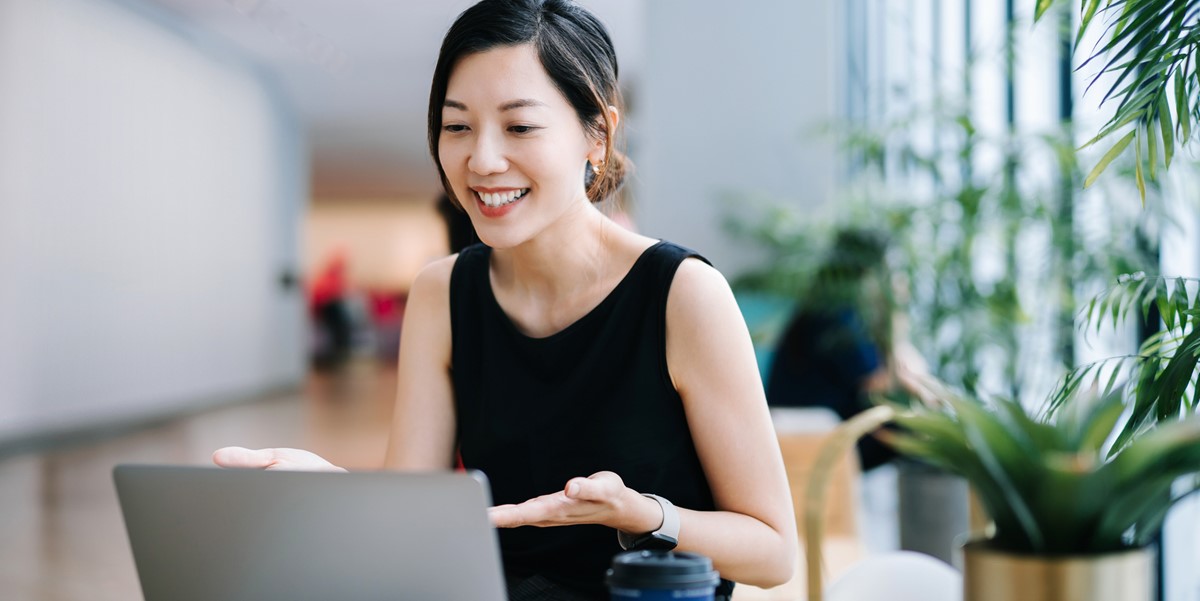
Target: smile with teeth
{"x": 500, "y": 199}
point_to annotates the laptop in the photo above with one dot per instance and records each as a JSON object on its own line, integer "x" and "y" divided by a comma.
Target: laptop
{"x": 201, "y": 533}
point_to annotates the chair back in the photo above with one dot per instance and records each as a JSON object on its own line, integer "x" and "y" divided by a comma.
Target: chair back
{"x": 802, "y": 432}
{"x": 830, "y": 455}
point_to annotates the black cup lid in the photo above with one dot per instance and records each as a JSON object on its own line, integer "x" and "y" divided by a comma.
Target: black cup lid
{"x": 661, "y": 569}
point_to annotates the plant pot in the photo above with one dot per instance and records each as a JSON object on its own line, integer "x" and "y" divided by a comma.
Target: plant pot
{"x": 991, "y": 575}
{"x": 933, "y": 509}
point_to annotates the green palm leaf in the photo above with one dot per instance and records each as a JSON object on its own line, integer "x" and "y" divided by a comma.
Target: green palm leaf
{"x": 1149, "y": 46}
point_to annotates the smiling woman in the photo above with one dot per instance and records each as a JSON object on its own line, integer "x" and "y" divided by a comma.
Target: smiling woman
{"x": 509, "y": 140}
{"x": 604, "y": 381}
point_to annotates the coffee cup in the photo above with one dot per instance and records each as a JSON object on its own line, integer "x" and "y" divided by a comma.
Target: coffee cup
{"x": 662, "y": 576}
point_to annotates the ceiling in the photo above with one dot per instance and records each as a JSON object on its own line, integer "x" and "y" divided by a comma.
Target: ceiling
{"x": 357, "y": 73}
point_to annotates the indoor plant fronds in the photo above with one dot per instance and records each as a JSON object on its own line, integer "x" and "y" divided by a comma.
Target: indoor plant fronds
{"x": 1048, "y": 482}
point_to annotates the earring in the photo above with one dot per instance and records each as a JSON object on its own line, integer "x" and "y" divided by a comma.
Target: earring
{"x": 597, "y": 167}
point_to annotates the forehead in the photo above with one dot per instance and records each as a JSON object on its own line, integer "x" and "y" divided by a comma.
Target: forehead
{"x": 500, "y": 74}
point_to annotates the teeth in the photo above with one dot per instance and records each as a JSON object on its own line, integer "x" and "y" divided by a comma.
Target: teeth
{"x": 502, "y": 198}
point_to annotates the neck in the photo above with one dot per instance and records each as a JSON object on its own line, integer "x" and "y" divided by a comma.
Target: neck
{"x": 558, "y": 261}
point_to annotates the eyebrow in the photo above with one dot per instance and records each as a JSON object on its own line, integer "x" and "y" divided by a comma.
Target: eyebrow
{"x": 521, "y": 103}
{"x": 507, "y": 106}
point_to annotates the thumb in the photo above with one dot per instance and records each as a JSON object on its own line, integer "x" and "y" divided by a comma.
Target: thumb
{"x": 596, "y": 487}
{"x": 243, "y": 457}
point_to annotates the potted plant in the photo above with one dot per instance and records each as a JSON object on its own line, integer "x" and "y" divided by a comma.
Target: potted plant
{"x": 1076, "y": 492}
{"x": 1070, "y": 518}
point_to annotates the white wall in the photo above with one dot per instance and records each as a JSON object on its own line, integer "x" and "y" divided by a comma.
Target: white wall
{"x": 150, "y": 189}
{"x": 726, "y": 104}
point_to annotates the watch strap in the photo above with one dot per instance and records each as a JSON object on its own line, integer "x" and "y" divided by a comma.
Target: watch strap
{"x": 666, "y": 535}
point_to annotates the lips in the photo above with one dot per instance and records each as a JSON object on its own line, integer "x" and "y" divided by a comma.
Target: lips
{"x": 498, "y": 202}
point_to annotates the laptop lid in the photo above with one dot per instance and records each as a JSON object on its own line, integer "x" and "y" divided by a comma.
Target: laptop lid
{"x": 201, "y": 533}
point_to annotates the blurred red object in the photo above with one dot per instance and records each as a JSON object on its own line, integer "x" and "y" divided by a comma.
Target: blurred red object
{"x": 329, "y": 285}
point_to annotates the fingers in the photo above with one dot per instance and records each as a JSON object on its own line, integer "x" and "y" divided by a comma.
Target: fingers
{"x": 273, "y": 459}
{"x": 541, "y": 511}
{"x": 588, "y": 500}
{"x": 506, "y": 516}
{"x": 244, "y": 458}
{"x": 574, "y": 488}
{"x": 599, "y": 487}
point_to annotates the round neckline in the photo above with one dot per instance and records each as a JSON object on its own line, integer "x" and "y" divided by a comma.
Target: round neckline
{"x": 574, "y": 325}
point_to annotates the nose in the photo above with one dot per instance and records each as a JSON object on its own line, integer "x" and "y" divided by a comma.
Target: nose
{"x": 487, "y": 156}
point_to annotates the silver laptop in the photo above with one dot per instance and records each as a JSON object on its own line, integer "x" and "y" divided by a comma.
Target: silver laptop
{"x": 212, "y": 534}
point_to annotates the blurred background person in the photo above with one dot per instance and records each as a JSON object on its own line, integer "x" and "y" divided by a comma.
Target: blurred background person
{"x": 332, "y": 323}
{"x": 840, "y": 344}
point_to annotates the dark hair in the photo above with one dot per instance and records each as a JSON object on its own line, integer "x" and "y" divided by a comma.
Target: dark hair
{"x": 574, "y": 49}
{"x": 855, "y": 252}
{"x": 458, "y": 225}
{"x": 855, "y": 256}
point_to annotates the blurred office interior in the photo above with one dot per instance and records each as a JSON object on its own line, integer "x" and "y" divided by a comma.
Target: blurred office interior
{"x": 184, "y": 184}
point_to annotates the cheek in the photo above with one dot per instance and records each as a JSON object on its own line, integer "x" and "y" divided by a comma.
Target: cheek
{"x": 563, "y": 167}
{"x": 451, "y": 161}
{"x": 446, "y": 156}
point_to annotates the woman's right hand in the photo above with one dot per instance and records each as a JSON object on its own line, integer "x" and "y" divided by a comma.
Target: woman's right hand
{"x": 273, "y": 459}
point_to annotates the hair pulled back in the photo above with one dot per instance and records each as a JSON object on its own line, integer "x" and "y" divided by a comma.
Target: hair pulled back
{"x": 574, "y": 49}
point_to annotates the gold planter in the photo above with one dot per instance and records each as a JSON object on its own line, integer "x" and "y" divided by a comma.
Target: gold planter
{"x": 990, "y": 575}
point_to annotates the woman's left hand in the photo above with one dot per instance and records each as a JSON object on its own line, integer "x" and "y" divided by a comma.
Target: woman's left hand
{"x": 596, "y": 499}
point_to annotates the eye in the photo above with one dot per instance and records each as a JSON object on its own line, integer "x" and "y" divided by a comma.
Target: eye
{"x": 521, "y": 130}
{"x": 454, "y": 128}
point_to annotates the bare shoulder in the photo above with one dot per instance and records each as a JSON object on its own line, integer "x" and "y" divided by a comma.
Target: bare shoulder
{"x": 705, "y": 329}
{"x": 427, "y": 314}
{"x": 698, "y": 288}
{"x": 435, "y": 276}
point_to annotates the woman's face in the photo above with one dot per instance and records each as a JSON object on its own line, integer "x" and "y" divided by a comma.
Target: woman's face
{"x": 511, "y": 145}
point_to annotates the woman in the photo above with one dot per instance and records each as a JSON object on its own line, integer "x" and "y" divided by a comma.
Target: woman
{"x": 579, "y": 365}
{"x": 845, "y": 341}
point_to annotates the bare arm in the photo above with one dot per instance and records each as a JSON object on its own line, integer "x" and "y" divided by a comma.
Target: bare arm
{"x": 423, "y": 422}
{"x": 423, "y": 425}
{"x": 752, "y": 537}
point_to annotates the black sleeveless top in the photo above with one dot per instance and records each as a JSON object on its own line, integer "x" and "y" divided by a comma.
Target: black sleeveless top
{"x": 535, "y": 412}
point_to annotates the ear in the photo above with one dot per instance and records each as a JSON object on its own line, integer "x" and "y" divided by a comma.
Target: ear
{"x": 596, "y": 154}
{"x": 614, "y": 116}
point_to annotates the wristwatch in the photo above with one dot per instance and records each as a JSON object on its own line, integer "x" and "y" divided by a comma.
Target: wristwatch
{"x": 663, "y": 539}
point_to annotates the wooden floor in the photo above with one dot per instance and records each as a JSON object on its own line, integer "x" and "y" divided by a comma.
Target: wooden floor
{"x": 61, "y": 533}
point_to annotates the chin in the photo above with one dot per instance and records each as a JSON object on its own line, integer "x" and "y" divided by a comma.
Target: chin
{"x": 501, "y": 239}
